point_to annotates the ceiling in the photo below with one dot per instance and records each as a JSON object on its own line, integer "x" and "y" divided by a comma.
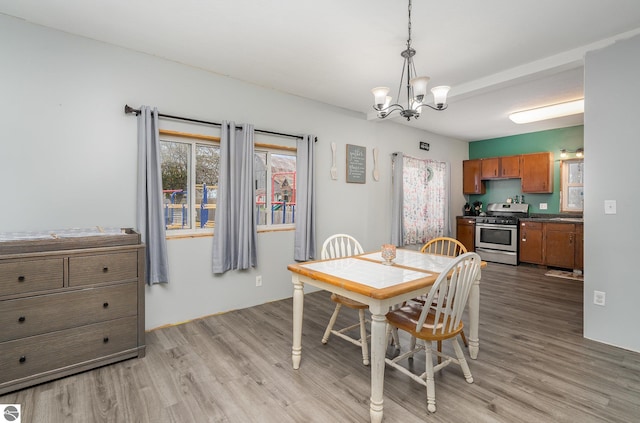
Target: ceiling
{"x": 499, "y": 56}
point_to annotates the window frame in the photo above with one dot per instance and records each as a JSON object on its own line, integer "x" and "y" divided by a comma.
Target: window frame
{"x": 195, "y": 139}
{"x": 565, "y": 185}
{"x": 273, "y": 150}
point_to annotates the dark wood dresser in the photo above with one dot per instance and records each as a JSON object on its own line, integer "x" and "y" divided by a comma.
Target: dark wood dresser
{"x": 69, "y": 303}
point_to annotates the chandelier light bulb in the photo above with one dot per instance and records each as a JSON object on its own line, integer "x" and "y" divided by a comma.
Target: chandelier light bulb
{"x": 440, "y": 95}
{"x": 419, "y": 85}
{"x": 380, "y": 94}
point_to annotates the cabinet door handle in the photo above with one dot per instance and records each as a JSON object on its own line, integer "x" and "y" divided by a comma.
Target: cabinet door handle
{"x": 21, "y": 319}
{"x": 23, "y": 358}
{"x": 105, "y": 339}
{"x": 105, "y": 269}
{"x": 105, "y": 305}
{"x": 21, "y": 278}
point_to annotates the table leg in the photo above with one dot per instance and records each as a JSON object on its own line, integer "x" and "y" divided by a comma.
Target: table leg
{"x": 378, "y": 351}
{"x": 298, "y": 305}
{"x": 474, "y": 317}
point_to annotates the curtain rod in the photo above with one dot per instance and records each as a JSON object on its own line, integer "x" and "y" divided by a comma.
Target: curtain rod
{"x": 128, "y": 109}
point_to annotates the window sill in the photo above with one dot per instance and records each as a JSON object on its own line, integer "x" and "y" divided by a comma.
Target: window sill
{"x": 209, "y": 234}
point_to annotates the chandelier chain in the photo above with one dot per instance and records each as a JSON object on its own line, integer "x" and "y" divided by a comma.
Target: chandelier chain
{"x": 409, "y": 27}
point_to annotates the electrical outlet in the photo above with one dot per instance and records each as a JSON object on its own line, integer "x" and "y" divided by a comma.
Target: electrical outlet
{"x": 259, "y": 280}
{"x": 599, "y": 298}
{"x": 543, "y": 206}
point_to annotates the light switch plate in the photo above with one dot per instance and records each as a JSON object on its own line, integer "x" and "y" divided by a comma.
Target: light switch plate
{"x": 543, "y": 206}
{"x": 609, "y": 206}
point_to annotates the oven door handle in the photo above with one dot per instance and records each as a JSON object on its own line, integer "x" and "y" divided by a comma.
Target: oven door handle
{"x": 497, "y": 226}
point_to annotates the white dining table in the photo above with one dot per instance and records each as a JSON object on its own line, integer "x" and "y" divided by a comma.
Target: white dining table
{"x": 367, "y": 279}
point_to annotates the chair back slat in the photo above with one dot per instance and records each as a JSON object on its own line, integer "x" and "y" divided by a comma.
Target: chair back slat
{"x": 444, "y": 246}
{"x": 340, "y": 245}
{"x": 450, "y": 292}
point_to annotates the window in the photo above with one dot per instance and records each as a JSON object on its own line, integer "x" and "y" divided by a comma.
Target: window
{"x": 189, "y": 183}
{"x": 275, "y": 199}
{"x": 572, "y": 185}
{"x": 190, "y": 171}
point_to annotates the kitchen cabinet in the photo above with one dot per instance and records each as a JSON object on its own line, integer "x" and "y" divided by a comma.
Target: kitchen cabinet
{"x": 579, "y": 256}
{"x": 553, "y": 244}
{"x": 490, "y": 168}
{"x": 531, "y": 242}
{"x": 537, "y": 172}
{"x": 472, "y": 177}
{"x": 466, "y": 232}
{"x": 510, "y": 166}
{"x": 560, "y": 244}
{"x": 501, "y": 167}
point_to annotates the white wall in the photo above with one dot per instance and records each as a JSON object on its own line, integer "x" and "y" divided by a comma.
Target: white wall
{"x": 612, "y": 152}
{"x": 68, "y": 157}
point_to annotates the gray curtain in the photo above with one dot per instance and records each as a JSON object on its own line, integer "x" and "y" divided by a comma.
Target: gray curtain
{"x": 149, "y": 210}
{"x": 397, "y": 195}
{"x": 305, "y": 235}
{"x": 234, "y": 237}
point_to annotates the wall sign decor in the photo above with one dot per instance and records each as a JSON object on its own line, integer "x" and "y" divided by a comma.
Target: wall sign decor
{"x": 376, "y": 172}
{"x": 356, "y": 164}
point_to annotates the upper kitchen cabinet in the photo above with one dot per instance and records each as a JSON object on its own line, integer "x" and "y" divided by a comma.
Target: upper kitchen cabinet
{"x": 510, "y": 166}
{"x": 501, "y": 167}
{"x": 537, "y": 172}
{"x": 472, "y": 182}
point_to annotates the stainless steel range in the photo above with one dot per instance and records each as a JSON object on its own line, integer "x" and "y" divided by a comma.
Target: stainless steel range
{"x": 497, "y": 232}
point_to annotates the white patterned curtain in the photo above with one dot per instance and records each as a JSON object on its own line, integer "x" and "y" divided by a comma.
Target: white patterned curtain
{"x": 425, "y": 188}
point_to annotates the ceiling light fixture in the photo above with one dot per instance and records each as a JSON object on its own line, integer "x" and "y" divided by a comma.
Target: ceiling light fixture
{"x": 549, "y": 112}
{"x": 564, "y": 153}
{"x": 416, "y": 89}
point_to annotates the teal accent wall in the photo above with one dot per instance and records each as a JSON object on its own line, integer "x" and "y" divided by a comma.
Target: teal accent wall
{"x": 552, "y": 140}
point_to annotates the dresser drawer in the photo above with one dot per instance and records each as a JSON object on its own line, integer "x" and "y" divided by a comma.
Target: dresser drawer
{"x": 86, "y": 270}
{"x": 46, "y": 313}
{"x": 38, "y": 354}
{"x": 18, "y": 277}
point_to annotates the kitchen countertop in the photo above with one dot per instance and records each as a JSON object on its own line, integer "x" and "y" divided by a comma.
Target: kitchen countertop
{"x": 553, "y": 218}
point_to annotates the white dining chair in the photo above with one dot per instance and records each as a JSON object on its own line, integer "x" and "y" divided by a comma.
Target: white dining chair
{"x": 442, "y": 321}
{"x": 442, "y": 246}
{"x": 336, "y": 246}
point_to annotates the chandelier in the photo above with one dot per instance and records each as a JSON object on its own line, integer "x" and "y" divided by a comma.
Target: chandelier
{"x": 416, "y": 89}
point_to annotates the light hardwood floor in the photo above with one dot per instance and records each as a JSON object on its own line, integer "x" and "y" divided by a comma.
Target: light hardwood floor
{"x": 534, "y": 366}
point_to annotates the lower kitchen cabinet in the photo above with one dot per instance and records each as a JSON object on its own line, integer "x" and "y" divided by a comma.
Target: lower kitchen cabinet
{"x": 552, "y": 244}
{"x": 466, "y": 232}
{"x": 579, "y": 256}
{"x": 560, "y": 245}
{"x": 531, "y": 237}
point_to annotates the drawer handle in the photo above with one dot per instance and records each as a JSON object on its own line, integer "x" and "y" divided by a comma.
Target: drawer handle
{"x": 105, "y": 305}
{"x": 105, "y": 339}
{"x": 22, "y": 359}
{"x": 105, "y": 269}
{"x": 21, "y": 278}
{"x": 21, "y": 319}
